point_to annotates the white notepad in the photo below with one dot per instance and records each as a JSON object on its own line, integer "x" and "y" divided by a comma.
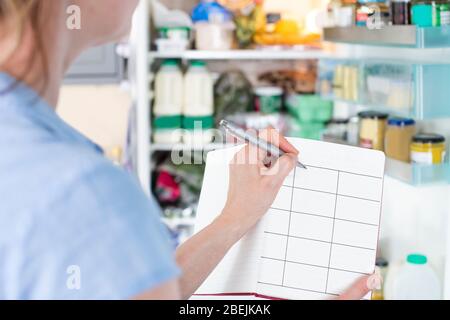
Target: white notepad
{"x": 320, "y": 234}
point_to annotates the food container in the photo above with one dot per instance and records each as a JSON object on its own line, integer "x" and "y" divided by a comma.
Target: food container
{"x": 310, "y": 108}
{"x": 399, "y": 134}
{"x": 268, "y": 99}
{"x": 372, "y": 129}
{"x": 401, "y": 12}
{"x": 174, "y": 33}
{"x": 372, "y": 14}
{"x": 214, "y": 36}
{"x": 169, "y": 46}
{"x": 422, "y": 13}
{"x": 428, "y": 149}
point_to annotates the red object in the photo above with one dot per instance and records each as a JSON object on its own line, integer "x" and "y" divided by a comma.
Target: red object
{"x": 167, "y": 189}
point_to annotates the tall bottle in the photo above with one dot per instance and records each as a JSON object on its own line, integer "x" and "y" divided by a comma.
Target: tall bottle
{"x": 168, "y": 107}
{"x": 198, "y": 104}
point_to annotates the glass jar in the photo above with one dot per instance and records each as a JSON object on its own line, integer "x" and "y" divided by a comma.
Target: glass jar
{"x": 382, "y": 264}
{"x": 401, "y": 12}
{"x": 372, "y": 129}
{"x": 399, "y": 134}
{"x": 428, "y": 148}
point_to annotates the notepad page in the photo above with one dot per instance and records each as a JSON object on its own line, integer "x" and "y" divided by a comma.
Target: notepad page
{"x": 322, "y": 230}
{"x": 237, "y": 272}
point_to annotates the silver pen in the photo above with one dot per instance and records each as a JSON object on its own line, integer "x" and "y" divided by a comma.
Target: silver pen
{"x": 239, "y": 133}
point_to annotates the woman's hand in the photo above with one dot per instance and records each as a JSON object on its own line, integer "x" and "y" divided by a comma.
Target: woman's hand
{"x": 362, "y": 287}
{"x": 253, "y": 185}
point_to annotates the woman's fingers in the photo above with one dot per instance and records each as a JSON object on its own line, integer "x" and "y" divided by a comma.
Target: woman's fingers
{"x": 280, "y": 169}
{"x": 357, "y": 291}
{"x": 362, "y": 286}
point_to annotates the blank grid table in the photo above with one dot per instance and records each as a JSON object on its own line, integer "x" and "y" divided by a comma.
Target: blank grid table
{"x": 322, "y": 231}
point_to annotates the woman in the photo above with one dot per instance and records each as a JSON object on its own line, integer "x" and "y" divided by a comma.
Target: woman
{"x": 73, "y": 226}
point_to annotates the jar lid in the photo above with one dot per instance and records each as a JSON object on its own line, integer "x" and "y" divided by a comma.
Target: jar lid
{"x": 428, "y": 138}
{"x": 381, "y": 262}
{"x": 401, "y": 122}
{"x": 373, "y": 115}
{"x": 416, "y": 259}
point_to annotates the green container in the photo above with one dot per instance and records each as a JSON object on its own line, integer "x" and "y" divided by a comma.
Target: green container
{"x": 310, "y": 108}
{"x": 311, "y": 131}
{"x": 268, "y": 99}
{"x": 422, "y": 14}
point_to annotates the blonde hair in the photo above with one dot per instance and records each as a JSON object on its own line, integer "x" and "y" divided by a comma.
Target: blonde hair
{"x": 15, "y": 15}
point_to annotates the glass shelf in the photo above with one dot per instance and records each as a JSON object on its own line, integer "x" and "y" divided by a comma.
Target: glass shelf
{"x": 418, "y": 175}
{"x": 413, "y": 174}
{"x": 416, "y": 90}
{"x": 397, "y": 36}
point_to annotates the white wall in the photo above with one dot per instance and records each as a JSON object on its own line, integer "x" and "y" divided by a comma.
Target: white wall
{"x": 99, "y": 112}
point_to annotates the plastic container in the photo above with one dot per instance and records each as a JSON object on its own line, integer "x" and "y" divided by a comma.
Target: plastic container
{"x": 428, "y": 149}
{"x": 198, "y": 91}
{"x": 310, "y": 108}
{"x": 210, "y": 10}
{"x": 171, "y": 46}
{"x": 365, "y": 13}
{"x": 399, "y": 134}
{"x": 268, "y": 99}
{"x": 416, "y": 280}
{"x": 174, "y": 33}
{"x": 422, "y": 13}
{"x": 214, "y": 36}
{"x": 169, "y": 90}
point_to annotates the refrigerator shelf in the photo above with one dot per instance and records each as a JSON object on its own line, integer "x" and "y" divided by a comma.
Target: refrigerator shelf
{"x": 251, "y": 54}
{"x": 409, "y": 36}
{"x": 418, "y": 175}
{"x": 415, "y": 90}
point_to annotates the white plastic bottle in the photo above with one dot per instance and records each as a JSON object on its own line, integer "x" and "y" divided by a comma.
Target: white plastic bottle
{"x": 415, "y": 280}
{"x": 169, "y": 90}
{"x": 198, "y": 104}
{"x": 198, "y": 93}
{"x": 168, "y": 105}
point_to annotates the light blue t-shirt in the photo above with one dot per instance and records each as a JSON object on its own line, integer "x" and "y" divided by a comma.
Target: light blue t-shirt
{"x": 72, "y": 225}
